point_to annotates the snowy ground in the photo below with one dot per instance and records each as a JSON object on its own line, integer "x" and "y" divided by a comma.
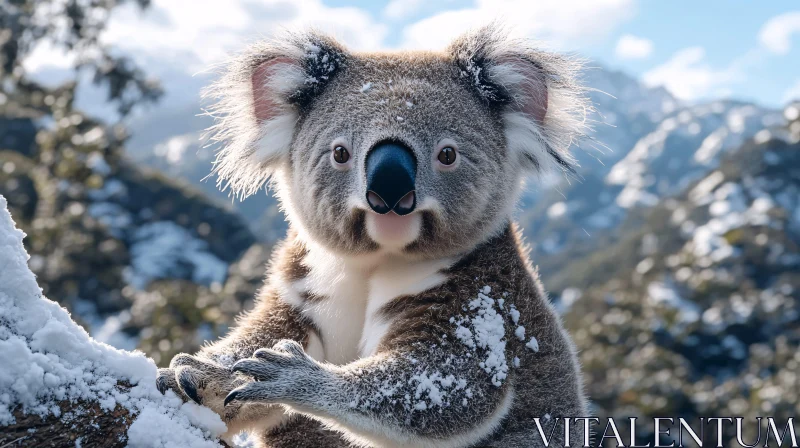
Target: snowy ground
{"x": 46, "y": 358}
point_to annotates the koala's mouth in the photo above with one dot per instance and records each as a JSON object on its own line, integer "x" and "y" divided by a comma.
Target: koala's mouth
{"x": 393, "y": 231}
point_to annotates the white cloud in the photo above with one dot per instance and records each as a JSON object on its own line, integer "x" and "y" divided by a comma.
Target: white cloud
{"x": 175, "y": 39}
{"x": 193, "y": 34}
{"x": 560, "y": 22}
{"x": 203, "y": 32}
{"x": 688, "y": 76}
{"x": 776, "y": 34}
{"x": 45, "y": 55}
{"x": 400, "y": 9}
{"x": 792, "y": 93}
{"x": 633, "y": 47}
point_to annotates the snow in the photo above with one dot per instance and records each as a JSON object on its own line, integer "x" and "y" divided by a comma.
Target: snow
{"x": 46, "y": 358}
{"x": 164, "y": 249}
{"x": 644, "y": 266}
{"x": 568, "y": 297}
{"x": 111, "y": 215}
{"x": 417, "y": 390}
{"x": 514, "y": 314}
{"x": 244, "y": 440}
{"x": 484, "y": 328}
{"x": 486, "y": 331}
{"x": 792, "y": 112}
{"x": 174, "y": 148}
{"x": 431, "y": 385}
{"x": 665, "y": 293}
{"x": 683, "y": 149}
{"x": 731, "y": 206}
{"x": 112, "y": 188}
{"x": 97, "y": 163}
{"x": 706, "y": 186}
{"x": 110, "y": 331}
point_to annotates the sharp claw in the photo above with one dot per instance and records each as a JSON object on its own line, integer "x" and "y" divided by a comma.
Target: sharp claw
{"x": 189, "y": 389}
{"x": 263, "y": 353}
{"x": 230, "y": 397}
{"x": 257, "y": 369}
{"x": 245, "y": 366}
{"x": 237, "y": 368}
{"x": 161, "y": 385}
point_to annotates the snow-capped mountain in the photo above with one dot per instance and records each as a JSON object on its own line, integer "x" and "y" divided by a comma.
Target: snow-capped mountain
{"x": 698, "y": 299}
{"x": 625, "y": 110}
{"x": 685, "y": 145}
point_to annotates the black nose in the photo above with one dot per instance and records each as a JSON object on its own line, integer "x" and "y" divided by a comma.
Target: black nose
{"x": 391, "y": 172}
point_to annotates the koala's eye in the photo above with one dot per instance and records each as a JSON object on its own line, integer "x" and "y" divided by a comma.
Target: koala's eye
{"x": 447, "y": 155}
{"x": 340, "y": 154}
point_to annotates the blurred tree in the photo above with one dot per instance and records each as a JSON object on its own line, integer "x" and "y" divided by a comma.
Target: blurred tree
{"x": 75, "y": 26}
{"x": 79, "y": 199}
{"x": 76, "y": 197}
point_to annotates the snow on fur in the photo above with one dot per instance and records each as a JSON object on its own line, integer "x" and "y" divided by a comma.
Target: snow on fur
{"x": 485, "y": 329}
{"x": 250, "y": 151}
{"x": 482, "y": 329}
{"x": 505, "y": 69}
{"x": 47, "y": 358}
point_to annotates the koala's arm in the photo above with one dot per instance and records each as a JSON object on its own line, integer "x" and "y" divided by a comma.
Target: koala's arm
{"x": 270, "y": 321}
{"x": 424, "y": 393}
{"x": 206, "y": 377}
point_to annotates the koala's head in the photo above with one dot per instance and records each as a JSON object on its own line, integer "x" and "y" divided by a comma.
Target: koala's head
{"x": 415, "y": 153}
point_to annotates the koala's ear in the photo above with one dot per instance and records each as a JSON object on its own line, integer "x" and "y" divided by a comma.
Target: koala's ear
{"x": 272, "y": 82}
{"x": 542, "y": 104}
{"x": 258, "y": 100}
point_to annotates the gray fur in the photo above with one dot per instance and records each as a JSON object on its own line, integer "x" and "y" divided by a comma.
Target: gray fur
{"x": 482, "y": 96}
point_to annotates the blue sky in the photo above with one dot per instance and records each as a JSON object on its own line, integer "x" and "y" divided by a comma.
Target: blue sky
{"x": 698, "y": 50}
{"x": 727, "y": 30}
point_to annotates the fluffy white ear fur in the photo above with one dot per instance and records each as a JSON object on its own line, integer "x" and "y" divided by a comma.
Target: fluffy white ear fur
{"x": 255, "y": 120}
{"x": 544, "y": 119}
{"x": 272, "y": 82}
{"x": 546, "y": 105}
{"x": 547, "y": 113}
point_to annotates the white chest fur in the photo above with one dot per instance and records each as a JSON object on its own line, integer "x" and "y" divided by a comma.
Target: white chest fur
{"x": 351, "y": 294}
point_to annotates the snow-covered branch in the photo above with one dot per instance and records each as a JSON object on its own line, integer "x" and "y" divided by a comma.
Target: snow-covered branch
{"x": 59, "y": 387}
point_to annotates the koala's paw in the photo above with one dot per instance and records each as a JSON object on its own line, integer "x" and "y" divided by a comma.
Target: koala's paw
{"x": 277, "y": 373}
{"x": 200, "y": 380}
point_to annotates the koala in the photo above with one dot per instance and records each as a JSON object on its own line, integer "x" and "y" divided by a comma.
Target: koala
{"x": 402, "y": 308}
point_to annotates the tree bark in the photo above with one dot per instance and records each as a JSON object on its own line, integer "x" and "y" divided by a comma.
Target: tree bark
{"x": 81, "y": 424}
